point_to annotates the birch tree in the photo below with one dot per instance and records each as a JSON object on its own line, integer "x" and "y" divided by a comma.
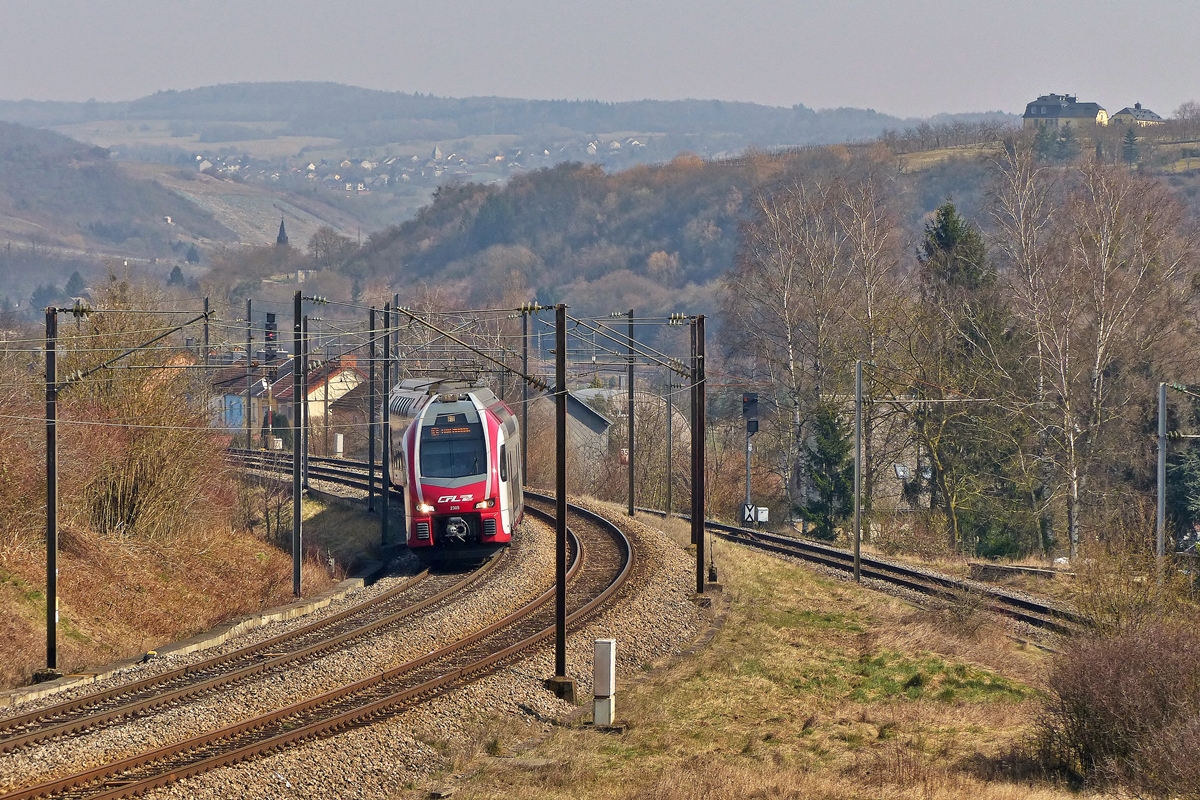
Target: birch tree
{"x": 788, "y": 303}
{"x": 1022, "y": 211}
{"x": 1100, "y": 283}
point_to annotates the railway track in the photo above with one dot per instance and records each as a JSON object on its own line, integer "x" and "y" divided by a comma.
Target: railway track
{"x": 351, "y": 474}
{"x": 421, "y": 593}
{"x": 927, "y": 582}
{"x": 1023, "y": 608}
{"x": 601, "y": 560}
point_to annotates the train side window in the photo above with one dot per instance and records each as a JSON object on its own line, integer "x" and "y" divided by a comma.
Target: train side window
{"x": 503, "y": 462}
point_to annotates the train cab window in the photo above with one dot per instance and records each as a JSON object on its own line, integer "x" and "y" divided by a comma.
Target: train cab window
{"x": 453, "y": 453}
{"x": 504, "y": 462}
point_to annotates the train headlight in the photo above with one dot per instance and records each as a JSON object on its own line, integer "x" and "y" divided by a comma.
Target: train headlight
{"x": 489, "y": 503}
{"x": 424, "y": 508}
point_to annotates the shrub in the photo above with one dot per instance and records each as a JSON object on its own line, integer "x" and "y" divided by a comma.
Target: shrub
{"x": 1125, "y": 709}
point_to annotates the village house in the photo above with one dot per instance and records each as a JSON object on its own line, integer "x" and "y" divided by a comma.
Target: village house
{"x": 270, "y": 399}
{"x": 1056, "y": 110}
{"x": 1137, "y": 115}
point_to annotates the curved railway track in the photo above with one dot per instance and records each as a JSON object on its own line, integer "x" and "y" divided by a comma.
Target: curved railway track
{"x": 601, "y": 561}
{"x": 212, "y": 674}
{"x": 926, "y": 582}
{"x": 1022, "y": 608}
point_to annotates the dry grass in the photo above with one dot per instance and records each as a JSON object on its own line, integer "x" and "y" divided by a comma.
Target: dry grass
{"x": 813, "y": 688}
{"x": 119, "y": 598}
{"x": 927, "y": 159}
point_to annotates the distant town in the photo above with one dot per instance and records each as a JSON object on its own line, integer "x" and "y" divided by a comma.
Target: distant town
{"x": 363, "y": 175}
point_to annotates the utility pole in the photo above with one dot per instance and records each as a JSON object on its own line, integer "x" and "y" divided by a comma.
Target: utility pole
{"x": 305, "y": 410}
{"x": 328, "y": 374}
{"x": 560, "y": 684}
{"x": 670, "y": 444}
{"x": 386, "y": 490}
{"x": 524, "y": 398}
{"x": 396, "y": 339}
{"x": 371, "y": 418}
{"x": 630, "y": 411}
{"x": 206, "y": 332}
{"x": 560, "y": 487}
{"x": 1161, "y": 526}
{"x": 249, "y": 373}
{"x": 694, "y": 449}
{"x": 268, "y": 431}
{"x": 297, "y": 440}
{"x": 698, "y": 436}
{"x": 675, "y": 319}
{"x": 51, "y": 670}
{"x": 858, "y": 427}
{"x": 52, "y": 390}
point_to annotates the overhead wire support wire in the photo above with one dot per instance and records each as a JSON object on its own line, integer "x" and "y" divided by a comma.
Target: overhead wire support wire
{"x": 81, "y": 374}
{"x": 533, "y": 381}
{"x": 653, "y": 357}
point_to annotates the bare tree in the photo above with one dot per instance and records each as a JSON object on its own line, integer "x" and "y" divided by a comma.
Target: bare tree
{"x": 788, "y": 300}
{"x": 873, "y": 249}
{"x": 1097, "y": 282}
{"x": 329, "y": 249}
{"x": 1023, "y": 213}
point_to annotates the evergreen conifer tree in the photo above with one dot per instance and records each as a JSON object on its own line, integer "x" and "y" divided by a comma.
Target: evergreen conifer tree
{"x": 1045, "y": 143}
{"x": 830, "y": 472}
{"x": 75, "y": 284}
{"x": 952, "y": 256}
{"x": 1067, "y": 147}
{"x": 1129, "y": 147}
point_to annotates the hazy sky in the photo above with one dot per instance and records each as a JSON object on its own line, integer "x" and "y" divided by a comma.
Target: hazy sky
{"x": 910, "y": 57}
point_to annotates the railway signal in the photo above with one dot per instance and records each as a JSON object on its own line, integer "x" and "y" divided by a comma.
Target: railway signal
{"x": 750, "y": 406}
{"x": 271, "y": 338}
{"x": 750, "y": 414}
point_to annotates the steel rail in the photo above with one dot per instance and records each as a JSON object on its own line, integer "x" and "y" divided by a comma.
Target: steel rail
{"x": 148, "y": 694}
{"x": 927, "y": 582}
{"x": 295, "y": 727}
{"x": 1042, "y": 615}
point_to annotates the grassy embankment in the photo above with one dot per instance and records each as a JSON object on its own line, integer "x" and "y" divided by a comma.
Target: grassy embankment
{"x": 812, "y": 688}
{"x": 120, "y": 598}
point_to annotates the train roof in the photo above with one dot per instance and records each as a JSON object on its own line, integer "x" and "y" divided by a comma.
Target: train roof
{"x": 412, "y": 393}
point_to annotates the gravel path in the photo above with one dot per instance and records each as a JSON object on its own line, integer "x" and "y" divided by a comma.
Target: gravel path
{"x": 411, "y": 753}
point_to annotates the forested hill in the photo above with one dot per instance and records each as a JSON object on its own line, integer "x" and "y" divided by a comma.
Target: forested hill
{"x": 57, "y": 191}
{"x": 655, "y": 238}
{"x": 369, "y": 117}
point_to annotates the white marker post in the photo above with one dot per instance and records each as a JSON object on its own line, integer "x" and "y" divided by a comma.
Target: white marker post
{"x": 604, "y": 682}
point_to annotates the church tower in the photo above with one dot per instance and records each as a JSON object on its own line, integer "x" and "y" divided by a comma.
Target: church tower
{"x": 281, "y": 239}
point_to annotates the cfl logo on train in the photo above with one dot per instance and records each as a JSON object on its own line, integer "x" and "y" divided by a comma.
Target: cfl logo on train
{"x": 455, "y": 498}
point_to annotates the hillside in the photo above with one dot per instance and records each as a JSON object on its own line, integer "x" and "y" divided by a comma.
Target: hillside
{"x": 377, "y": 157}
{"x": 655, "y": 238}
{"x": 363, "y": 117}
{"x": 60, "y": 192}
{"x": 66, "y": 206}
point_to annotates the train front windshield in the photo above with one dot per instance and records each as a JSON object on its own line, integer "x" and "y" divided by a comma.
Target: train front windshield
{"x": 453, "y": 451}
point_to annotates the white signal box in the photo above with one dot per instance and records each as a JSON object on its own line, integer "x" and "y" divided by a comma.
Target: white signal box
{"x": 762, "y": 514}
{"x": 604, "y": 681}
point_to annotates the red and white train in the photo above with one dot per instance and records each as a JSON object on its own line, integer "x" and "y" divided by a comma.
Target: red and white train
{"x": 456, "y": 455}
